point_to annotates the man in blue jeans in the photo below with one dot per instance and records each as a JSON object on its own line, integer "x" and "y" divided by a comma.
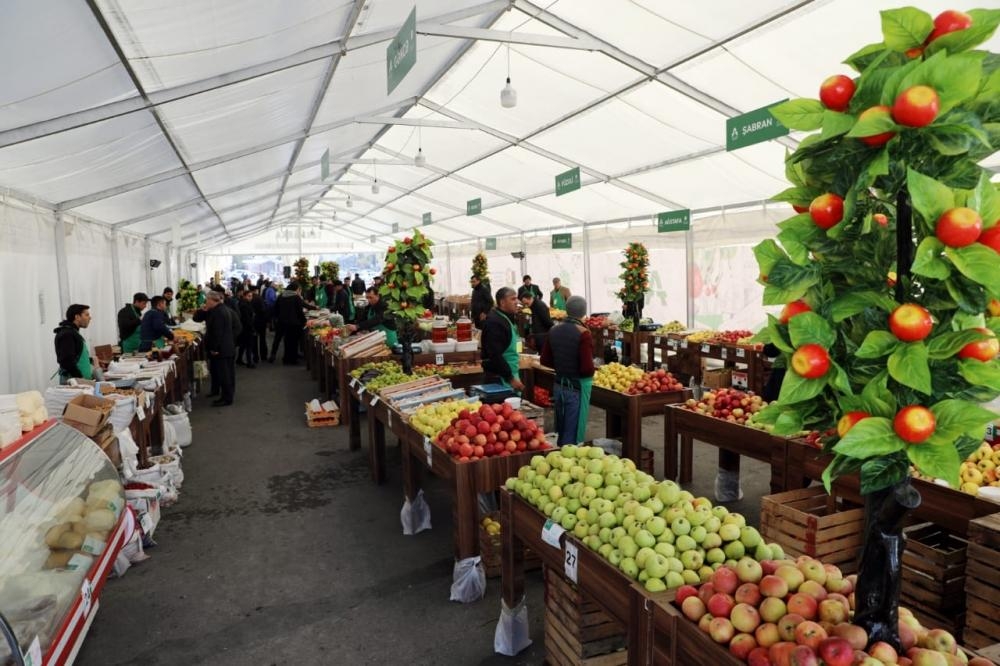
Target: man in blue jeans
{"x": 569, "y": 350}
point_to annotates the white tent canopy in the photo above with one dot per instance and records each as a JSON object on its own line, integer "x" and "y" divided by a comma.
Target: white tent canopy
{"x": 139, "y": 129}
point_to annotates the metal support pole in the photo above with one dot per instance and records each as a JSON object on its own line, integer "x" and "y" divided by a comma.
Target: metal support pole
{"x": 689, "y": 266}
{"x": 116, "y": 270}
{"x": 147, "y": 253}
{"x": 586, "y": 265}
{"x": 524, "y": 258}
{"x": 62, "y": 267}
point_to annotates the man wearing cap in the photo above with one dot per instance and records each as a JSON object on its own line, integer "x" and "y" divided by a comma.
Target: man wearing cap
{"x": 129, "y": 322}
{"x": 481, "y": 303}
{"x": 500, "y": 342}
{"x": 569, "y": 351}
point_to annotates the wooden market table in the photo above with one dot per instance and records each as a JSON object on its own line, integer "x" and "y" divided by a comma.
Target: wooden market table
{"x": 686, "y": 359}
{"x": 948, "y": 508}
{"x": 682, "y": 426}
{"x": 624, "y": 412}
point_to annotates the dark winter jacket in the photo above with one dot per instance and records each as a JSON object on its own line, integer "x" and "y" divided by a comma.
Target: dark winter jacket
{"x": 497, "y": 334}
{"x": 341, "y": 304}
{"x": 357, "y": 286}
{"x": 289, "y": 309}
{"x": 246, "y": 316}
{"x": 377, "y": 317}
{"x": 128, "y": 321}
{"x": 541, "y": 322}
{"x": 533, "y": 289}
{"x": 222, "y": 327}
{"x": 153, "y": 327}
{"x": 69, "y": 345}
{"x": 259, "y": 313}
{"x": 482, "y": 302}
{"x": 569, "y": 350}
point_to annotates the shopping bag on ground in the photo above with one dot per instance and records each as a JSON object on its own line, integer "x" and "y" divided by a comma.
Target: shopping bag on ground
{"x": 416, "y": 515}
{"x": 511, "y": 636}
{"x": 468, "y": 581}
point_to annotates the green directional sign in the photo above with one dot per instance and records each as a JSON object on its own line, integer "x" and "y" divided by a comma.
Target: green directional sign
{"x": 562, "y": 241}
{"x": 491, "y": 243}
{"x": 395, "y": 227}
{"x": 473, "y": 207}
{"x": 753, "y": 127}
{"x": 401, "y": 54}
{"x": 426, "y": 219}
{"x": 675, "y": 220}
{"x": 324, "y": 164}
{"x": 568, "y": 181}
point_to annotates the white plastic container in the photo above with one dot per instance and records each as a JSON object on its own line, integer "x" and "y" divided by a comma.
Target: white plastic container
{"x": 470, "y": 346}
{"x": 443, "y": 347}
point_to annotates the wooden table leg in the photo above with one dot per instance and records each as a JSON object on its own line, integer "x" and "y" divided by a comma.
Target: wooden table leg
{"x": 632, "y": 437}
{"x": 411, "y": 474}
{"x": 640, "y": 629}
{"x": 687, "y": 459}
{"x": 466, "y": 516}
{"x": 669, "y": 446}
{"x": 512, "y": 561}
{"x": 354, "y": 424}
{"x": 612, "y": 424}
{"x": 376, "y": 449}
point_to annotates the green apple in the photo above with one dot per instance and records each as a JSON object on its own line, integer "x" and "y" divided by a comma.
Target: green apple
{"x": 612, "y": 479}
{"x": 633, "y": 529}
{"x": 615, "y": 557}
{"x": 654, "y": 504}
{"x": 777, "y": 552}
{"x": 563, "y": 478}
{"x": 690, "y": 577}
{"x": 605, "y": 550}
{"x": 680, "y": 526}
{"x": 629, "y": 522}
{"x": 568, "y": 521}
{"x": 613, "y": 465}
{"x": 548, "y": 507}
{"x": 594, "y": 480}
{"x": 712, "y": 524}
{"x": 643, "y": 555}
{"x": 712, "y": 540}
{"x": 666, "y": 537}
{"x": 674, "y": 579}
{"x": 628, "y": 546}
{"x": 628, "y": 485}
{"x": 569, "y": 451}
{"x": 581, "y": 514}
{"x": 705, "y": 573}
{"x": 533, "y": 494}
{"x": 573, "y": 505}
{"x": 684, "y": 543}
{"x": 643, "y": 576}
{"x": 715, "y": 556}
{"x": 673, "y": 513}
{"x": 643, "y": 513}
{"x": 629, "y": 465}
{"x": 593, "y": 542}
{"x": 595, "y": 467}
{"x": 644, "y": 539}
{"x": 629, "y": 568}
{"x": 668, "y": 492}
{"x": 685, "y": 496}
{"x": 641, "y": 493}
{"x": 581, "y": 529}
{"x": 566, "y": 465}
{"x": 619, "y": 514}
{"x": 656, "y": 526}
{"x": 729, "y": 532}
{"x": 665, "y": 549}
{"x": 572, "y": 490}
{"x": 595, "y": 451}
{"x": 592, "y": 529}
{"x": 698, "y": 533}
{"x": 699, "y": 515}
{"x": 655, "y": 585}
{"x": 762, "y": 552}
{"x": 630, "y": 506}
{"x": 734, "y": 519}
{"x": 536, "y": 460}
{"x": 750, "y": 537}
{"x": 720, "y": 511}
{"x": 734, "y": 550}
{"x": 656, "y": 565}
{"x": 605, "y": 535}
{"x": 593, "y": 516}
{"x": 558, "y": 513}
{"x": 607, "y": 519}
{"x": 610, "y": 492}
{"x": 692, "y": 559}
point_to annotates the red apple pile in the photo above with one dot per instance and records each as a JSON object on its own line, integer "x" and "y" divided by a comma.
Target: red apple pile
{"x": 541, "y": 397}
{"x": 798, "y": 613}
{"x": 596, "y": 321}
{"x": 493, "y": 430}
{"x": 655, "y": 381}
{"x": 732, "y": 337}
{"x": 728, "y": 404}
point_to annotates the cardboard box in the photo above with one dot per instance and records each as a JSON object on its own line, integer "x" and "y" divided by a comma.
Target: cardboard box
{"x": 88, "y": 413}
{"x": 717, "y": 378}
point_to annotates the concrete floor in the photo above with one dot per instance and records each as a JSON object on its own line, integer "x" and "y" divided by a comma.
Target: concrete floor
{"x": 282, "y": 551}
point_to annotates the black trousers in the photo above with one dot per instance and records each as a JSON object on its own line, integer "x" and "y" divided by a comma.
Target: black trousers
{"x": 248, "y": 347}
{"x": 223, "y": 371}
{"x": 262, "y": 343}
{"x": 279, "y": 333}
{"x": 293, "y": 335}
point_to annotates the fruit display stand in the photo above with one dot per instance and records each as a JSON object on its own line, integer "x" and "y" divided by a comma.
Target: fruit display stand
{"x": 682, "y": 426}
{"x": 934, "y": 576}
{"x": 624, "y": 412}
{"x": 686, "y": 358}
{"x": 982, "y": 584}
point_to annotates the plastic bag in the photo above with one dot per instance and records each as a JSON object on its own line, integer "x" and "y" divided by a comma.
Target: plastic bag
{"x": 468, "y": 581}
{"x": 182, "y": 428}
{"x": 511, "y": 636}
{"x": 187, "y": 402}
{"x": 201, "y": 369}
{"x": 129, "y": 452}
{"x": 727, "y": 486}
{"x": 416, "y": 515}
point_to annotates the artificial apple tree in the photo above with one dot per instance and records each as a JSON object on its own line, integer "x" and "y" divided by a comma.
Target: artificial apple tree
{"x": 887, "y": 272}
{"x": 302, "y": 271}
{"x": 406, "y": 281}
{"x": 635, "y": 278}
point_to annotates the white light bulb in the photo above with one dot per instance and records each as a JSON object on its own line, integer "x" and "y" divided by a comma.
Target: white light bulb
{"x": 350, "y": 203}
{"x": 375, "y": 186}
{"x": 420, "y": 160}
{"x": 508, "y": 96}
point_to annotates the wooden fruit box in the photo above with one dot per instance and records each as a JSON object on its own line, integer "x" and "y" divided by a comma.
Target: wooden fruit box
{"x": 934, "y": 570}
{"x": 322, "y": 419}
{"x": 982, "y": 583}
{"x": 810, "y": 522}
{"x": 577, "y": 631}
{"x": 491, "y": 550}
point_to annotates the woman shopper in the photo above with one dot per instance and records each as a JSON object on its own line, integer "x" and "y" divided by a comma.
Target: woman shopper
{"x": 569, "y": 350}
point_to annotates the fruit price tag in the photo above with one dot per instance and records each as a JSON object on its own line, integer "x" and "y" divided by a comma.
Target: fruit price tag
{"x": 551, "y": 532}
{"x": 438, "y": 359}
{"x": 725, "y": 353}
{"x": 429, "y": 450}
{"x": 33, "y": 657}
{"x": 361, "y": 391}
{"x": 86, "y": 596}
{"x": 571, "y": 560}
{"x": 374, "y": 400}
{"x": 706, "y": 349}
{"x": 618, "y": 335}
{"x": 684, "y": 344}
{"x": 656, "y": 339}
{"x": 740, "y": 352}
{"x": 672, "y": 344}
{"x": 140, "y": 412}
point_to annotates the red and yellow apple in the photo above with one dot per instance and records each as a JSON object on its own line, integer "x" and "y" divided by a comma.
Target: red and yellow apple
{"x": 811, "y": 361}
{"x": 910, "y": 322}
{"x": 827, "y": 210}
{"x": 876, "y": 140}
{"x": 836, "y": 91}
{"x": 958, "y": 227}
{"x": 917, "y": 106}
{"x": 914, "y": 424}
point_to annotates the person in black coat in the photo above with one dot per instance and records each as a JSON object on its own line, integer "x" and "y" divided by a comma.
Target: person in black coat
{"x": 248, "y": 336}
{"x": 541, "y": 322}
{"x": 341, "y": 301}
{"x": 222, "y": 326}
{"x": 154, "y": 325}
{"x": 528, "y": 288}
{"x": 498, "y": 334}
{"x": 129, "y": 320}
{"x": 357, "y": 285}
{"x": 291, "y": 318}
{"x": 260, "y": 321}
{"x": 482, "y": 302}
{"x": 71, "y": 349}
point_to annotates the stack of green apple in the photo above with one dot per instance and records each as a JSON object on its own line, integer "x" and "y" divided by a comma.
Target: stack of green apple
{"x": 653, "y": 531}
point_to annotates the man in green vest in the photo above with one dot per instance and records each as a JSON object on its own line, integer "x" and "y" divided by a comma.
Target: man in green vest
{"x": 129, "y": 322}
{"x": 71, "y": 349}
{"x": 500, "y": 342}
{"x": 376, "y": 319}
{"x": 559, "y": 295}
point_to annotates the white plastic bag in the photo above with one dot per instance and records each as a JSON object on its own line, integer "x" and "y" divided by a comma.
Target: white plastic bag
{"x": 468, "y": 581}
{"x": 182, "y": 428}
{"x": 129, "y": 451}
{"x": 416, "y": 515}
{"x": 727, "y": 486}
{"x": 511, "y": 636}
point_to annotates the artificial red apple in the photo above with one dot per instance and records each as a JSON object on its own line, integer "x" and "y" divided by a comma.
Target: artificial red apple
{"x": 910, "y": 322}
{"x": 792, "y": 309}
{"x": 880, "y": 219}
{"x": 836, "y": 91}
{"x": 848, "y": 420}
{"x": 827, "y": 210}
{"x": 993, "y": 307}
{"x": 876, "y": 140}
{"x": 917, "y": 106}
{"x": 949, "y": 21}
{"x": 811, "y": 361}
{"x": 991, "y": 238}
{"x": 914, "y": 424}
{"x": 958, "y": 227}
{"x": 982, "y": 350}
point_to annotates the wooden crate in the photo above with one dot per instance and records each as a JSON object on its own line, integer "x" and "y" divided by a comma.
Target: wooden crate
{"x": 321, "y": 419}
{"x": 934, "y": 572}
{"x": 647, "y": 461}
{"x": 491, "y": 550}
{"x": 810, "y": 522}
{"x": 982, "y": 583}
{"x": 577, "y": 631}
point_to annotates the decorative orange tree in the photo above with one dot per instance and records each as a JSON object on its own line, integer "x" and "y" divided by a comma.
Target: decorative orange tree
{"x": 407, "y": 277}
{"x": 888, "y": 270}
{"x": 635, "y": 278}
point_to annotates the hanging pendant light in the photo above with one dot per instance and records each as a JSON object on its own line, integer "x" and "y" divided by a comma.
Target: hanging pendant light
{"x": 375, "y": 185}
{"x": 419, "y": 159}
{"x": 350, "y": 204}
{"x": 508, "y": 96}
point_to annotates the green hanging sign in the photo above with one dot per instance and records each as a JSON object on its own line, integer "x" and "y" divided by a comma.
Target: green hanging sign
{"x": 401, "y": 54}
{"x": 491, "y": 243}
{"x": 324, "y": 165}
{"x": 568, "y": 181}
{"x": 426, "y": 219}
{"x": 562, "y": 241}
{"x": 473, "y": 207}
{"x": 675, "y": 220}
{"x": 395, "y": 227}
{"x": 753, "y": 127}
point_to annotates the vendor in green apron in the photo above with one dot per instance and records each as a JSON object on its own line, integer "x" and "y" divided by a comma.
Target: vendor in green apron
{"x": 129, "y": 322}
{"x": 569, "y": 351}
{"x": 377, "y": 319}
{"x": 71, "y": 349}
{"x": 559, "y": 295}
{"x": 501, "y": 345}
{"x": 319, "y": 295}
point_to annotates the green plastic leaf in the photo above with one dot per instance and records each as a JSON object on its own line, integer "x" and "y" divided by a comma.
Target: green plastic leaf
{"x": 930, "y": 197}
{"x": 838, "y": 379}
{"x": 885, "y": 472}
{"x": 836, "y": 124}
{"x": 968, "y": 296}
{"x": 802, "y": 196}
{"x": 967, "y": 445}
{"x": 877, "y": 344}
{"x": 955, "y": 139}
{"x": 863, "y": 57}
{"x": 810, "y": 327}
{"x": 768, "y": 254}
{"x": 799, "y": 114}
{"x": 852, "y": 303}
{"x": 928, "y": 260}
{"x": 955, "y": 417}
{"x": 798, "y": 389}
{"x": 870, "y": 437}
{"x": 979, "y": 373}
{"x": 839, "y": 466}
{"x": 978, "y": 263}
{"x": 878, "y": 400}
{"x": 993, "y": 323}
{"x": 986, "y": 200}
{"x": 908, "y": 365}
{"x": 880, "y": 165}
{"x": 984, "y": 24}
{"x": 938, "y": 461}
{"x": 772, "y": 333}
{"x": 905, "y": 28}
{"x": 947, "y": 345}
{"x": 872, "y": 125}
{"x": 788, "y": 423}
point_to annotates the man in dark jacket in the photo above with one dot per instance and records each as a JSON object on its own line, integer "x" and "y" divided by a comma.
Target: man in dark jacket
{"x": 343, "y": 302}
{"x": 168, "y": 296}
{"x": 248, "y": 336}
{"x": 569, "y": 350}
{"x": 154, "y": 325}
{"x": 291, "y": 319}
{"x": 482, "y": 302}
{"x": 260, "y": 319}
{"x": 129, "y": 320}
{"x": 528, "y": 288}
{"x": 221, "y": 329}
{"x": 541, "y": 322}
{"x": 500, "y": 341}
{"x": 358, "y": 285}
{"x": 71, "y": 349}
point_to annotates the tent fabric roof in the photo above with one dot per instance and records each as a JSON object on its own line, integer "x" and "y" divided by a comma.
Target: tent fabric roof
{"x": 202, "y": 124}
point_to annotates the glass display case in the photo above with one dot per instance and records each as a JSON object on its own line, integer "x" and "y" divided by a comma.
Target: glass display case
{"x": 61, "y": 511}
